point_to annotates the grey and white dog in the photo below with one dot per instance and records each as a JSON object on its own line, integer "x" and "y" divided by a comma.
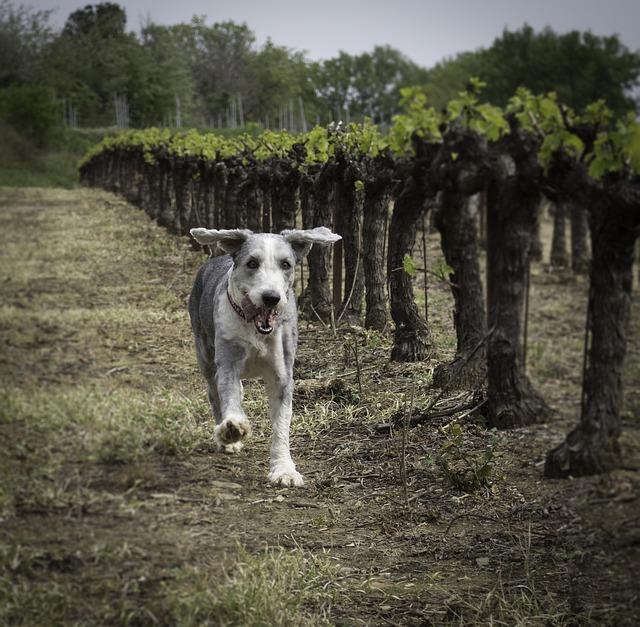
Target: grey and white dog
{"x": 244, "y": 320}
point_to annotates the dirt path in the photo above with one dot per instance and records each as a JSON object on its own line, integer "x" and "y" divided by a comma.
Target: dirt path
{"x": 115, "y": 509}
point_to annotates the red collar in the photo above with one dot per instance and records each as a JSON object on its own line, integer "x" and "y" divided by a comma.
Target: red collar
{"x": 236, "y": 307}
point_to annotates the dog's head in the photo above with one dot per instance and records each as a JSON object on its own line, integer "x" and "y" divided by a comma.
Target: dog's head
{"x": 263, "y": 266}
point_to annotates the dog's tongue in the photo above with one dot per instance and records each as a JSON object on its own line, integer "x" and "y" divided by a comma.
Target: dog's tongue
{"x": 248, "y": 308}
{"x": 263, "y": 318}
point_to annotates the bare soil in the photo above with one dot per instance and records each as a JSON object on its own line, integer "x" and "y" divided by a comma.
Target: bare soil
{"x": 93, "y": 306}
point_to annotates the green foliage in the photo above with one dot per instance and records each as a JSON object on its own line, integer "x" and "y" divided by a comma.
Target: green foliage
{"x": 409, "y": 265}
{"x": 417, "y": 118}
{"x": 464, "y": 469}
{"x": 317, "y": 145}
{"x": 365, "y": 85}
{"x": 442, "y": 269}
{"x": 544, "y": 116}
{"x": 25, "y": 164}
{"x": 32, "y": 110}
{"x": 483, "y": 118}
{"x": 616, "y": 149}
{"x": 579, "y": 66}
{"x": 24, "y": 34}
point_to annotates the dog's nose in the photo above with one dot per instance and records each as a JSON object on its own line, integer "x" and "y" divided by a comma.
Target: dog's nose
{"x": 270, "y": 299}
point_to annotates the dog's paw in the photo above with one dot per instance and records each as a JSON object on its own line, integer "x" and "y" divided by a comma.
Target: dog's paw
{"x": 231, "y": 449}
{"x": 231, "y": 431}
{"x": 286, "y": 476}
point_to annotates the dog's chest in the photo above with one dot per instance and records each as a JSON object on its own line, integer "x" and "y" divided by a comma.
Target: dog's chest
{"x": 255, "y": 366}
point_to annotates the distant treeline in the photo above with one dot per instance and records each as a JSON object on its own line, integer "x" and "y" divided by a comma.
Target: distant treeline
{"x": 95, "y": 73}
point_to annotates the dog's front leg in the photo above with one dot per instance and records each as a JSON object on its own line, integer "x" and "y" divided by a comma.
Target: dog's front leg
{"x": 282, "y": 470}
{"x": 234, "y": 426}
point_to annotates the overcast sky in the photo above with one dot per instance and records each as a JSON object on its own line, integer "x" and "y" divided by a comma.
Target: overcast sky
{"x": 424, "y": 30}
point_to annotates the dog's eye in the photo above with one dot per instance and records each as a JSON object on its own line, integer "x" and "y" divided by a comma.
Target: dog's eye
{"x": 252, "y": 263}
{"x": 285, "y": 264}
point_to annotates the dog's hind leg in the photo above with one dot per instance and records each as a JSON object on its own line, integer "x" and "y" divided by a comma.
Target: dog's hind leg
{"x": 208, "y": 371}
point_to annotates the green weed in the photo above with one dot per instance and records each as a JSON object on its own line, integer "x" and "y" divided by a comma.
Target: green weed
{"x": 465, "y": 469}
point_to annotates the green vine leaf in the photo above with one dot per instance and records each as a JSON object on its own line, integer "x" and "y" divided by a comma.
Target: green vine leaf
{"x": 408, "y": 265}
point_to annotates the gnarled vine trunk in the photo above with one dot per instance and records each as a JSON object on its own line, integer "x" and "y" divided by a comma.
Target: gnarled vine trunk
{"x": 284, "y": 195}
{"x": 579, "y": 244}
{"x": 319, "y": 258}
{"x": 236, "y": 177}
{"x": 513, "y": 200}
{"x": 559, "y": 258}
{"x": 349, "y": 224}
{"x": 458, "y": 233}
{"x": 377, "y": 196}
{"x": 412, "y": 338}
{"x": 593, "y": 447}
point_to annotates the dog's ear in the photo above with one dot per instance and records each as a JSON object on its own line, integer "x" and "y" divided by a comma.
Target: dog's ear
{"x": 302, "y": 241}
{"x": 229, "y": 240}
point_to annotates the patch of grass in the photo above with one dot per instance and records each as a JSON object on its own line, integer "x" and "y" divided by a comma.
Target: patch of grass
{"x": 24, "y": 164}
{"x": 520, "y": 602}
{"x": 35, "y": 588}
{"x": 112, "y": 426}
{"x": 89, "y": 424}
{"x": 512, "y": 605}
{"x": 271, "y": 588}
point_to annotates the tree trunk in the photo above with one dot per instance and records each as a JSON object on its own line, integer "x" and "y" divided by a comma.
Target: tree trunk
{"x": 376, "y": 205}
{"x": 319, "y": 258}
{"x": 266, "y": 208}
{"x": 592, "y": 447}
{"x": 412, "y": 337}
{"x": 253, "y": 205}
{"x": 284, "y": 194}
{"x": 459, "y": 239}
{"x": 349, "y": 208}
{"x": 579, "y": 245}
{"x": 236, "y": 177}
{"x": 559, "y": 258}
{"x": 166, "y": 212}
{"x": 208, "y": 195}
{"x": 535, "y": 253}
{"x": 482, "y": 220}
{"x": 512, "y": 204}
{"x": 221, "y": 177}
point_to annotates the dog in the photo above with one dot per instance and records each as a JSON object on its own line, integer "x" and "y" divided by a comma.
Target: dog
{"x": 245, "y": 325}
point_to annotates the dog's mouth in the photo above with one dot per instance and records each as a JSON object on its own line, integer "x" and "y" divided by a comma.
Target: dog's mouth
{"x": 265, "y": 320}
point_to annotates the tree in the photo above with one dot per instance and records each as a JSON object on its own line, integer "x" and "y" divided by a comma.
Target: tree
{"x": 279, "y": 80}
{"x": 513, "y": 200}
{"x": 446, "y": 79}
{"x": 166, "y": 55}
{"x": 593, "y": 446}
{"x": 31, "y": 110}
{"x": 459, "y": 179}
{"x": 93, "y": 60}
{"x": 333, "y": 81}
{"x": 221, "y": 63}
{"x": 378, "y": 78}
{"x": 580, "y": 67}
{"x": 23, "y": 35}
